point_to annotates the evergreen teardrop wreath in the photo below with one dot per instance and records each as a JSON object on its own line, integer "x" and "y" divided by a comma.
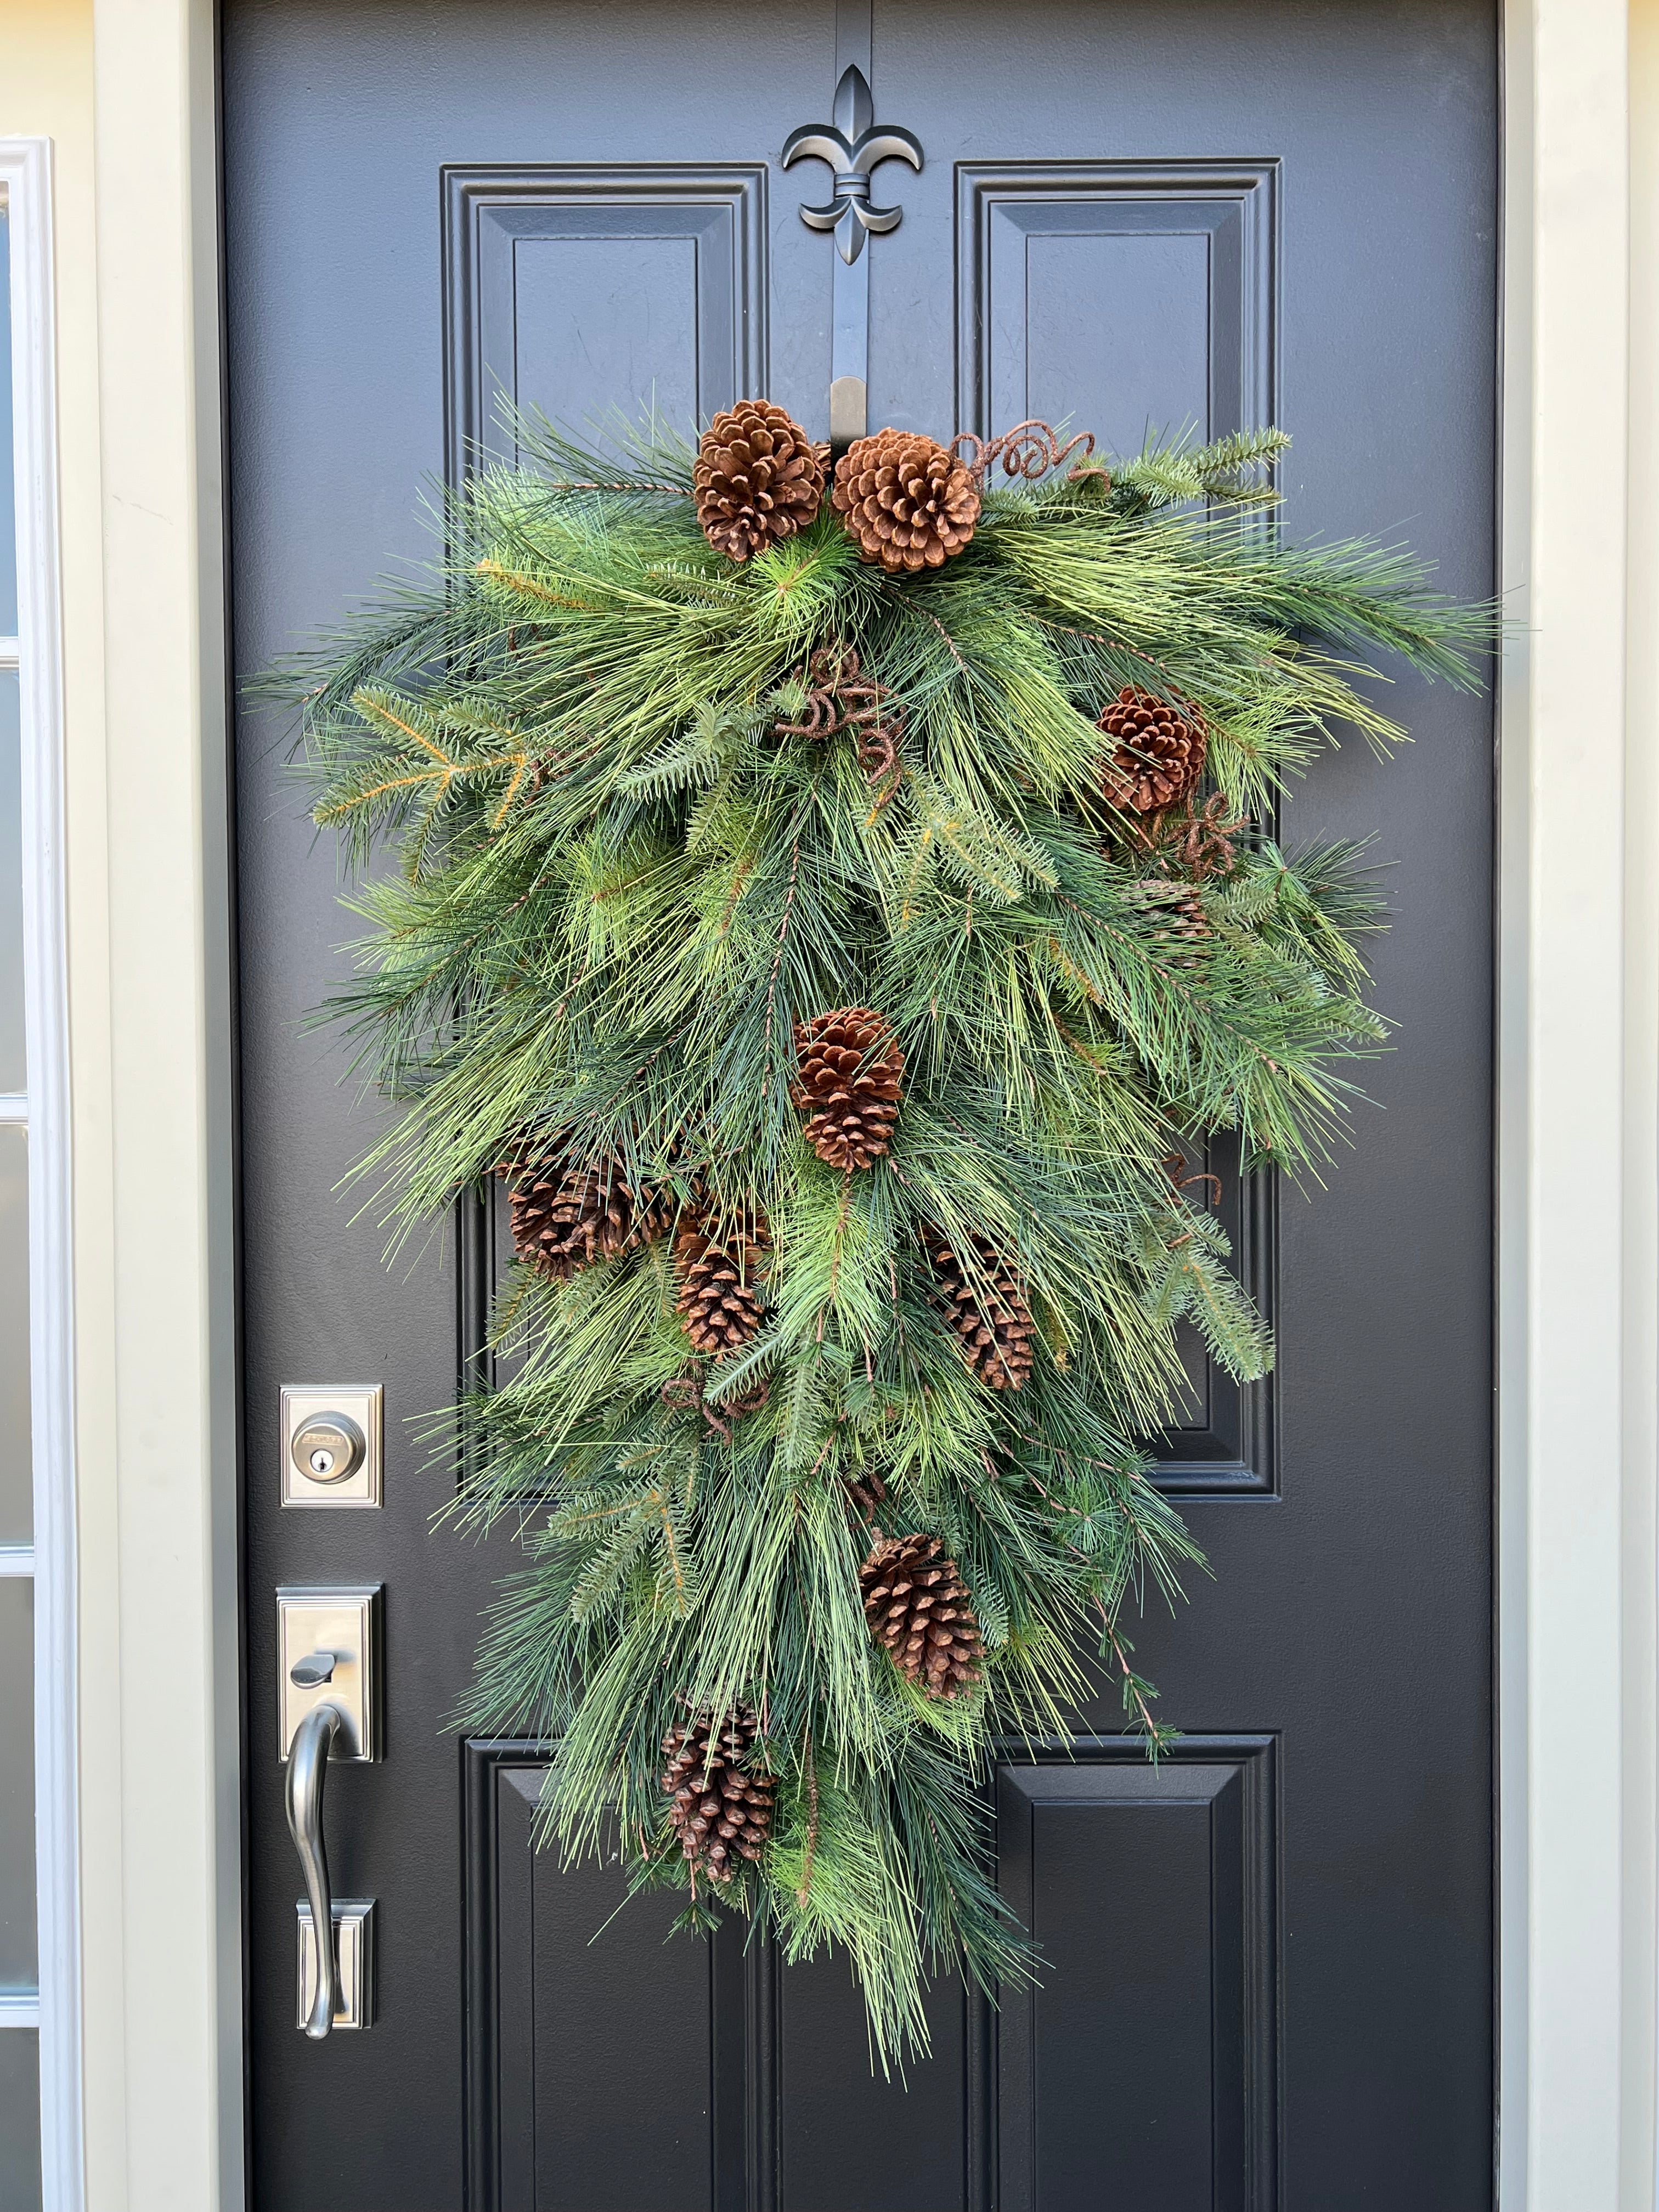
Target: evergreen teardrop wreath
{"x": 831, "y": 899}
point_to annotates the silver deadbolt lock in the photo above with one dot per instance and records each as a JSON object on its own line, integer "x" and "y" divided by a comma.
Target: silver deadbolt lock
{"x": 330, "y": 1444}
{"x": 329, "y": 1447}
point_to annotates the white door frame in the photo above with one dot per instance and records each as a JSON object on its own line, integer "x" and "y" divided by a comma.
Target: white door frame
{"x": 50, "y": 1559}
{"x": 1578, "y": 1133}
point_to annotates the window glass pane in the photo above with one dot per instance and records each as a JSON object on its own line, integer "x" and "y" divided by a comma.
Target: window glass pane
{"x": 19, "y": 2119}
{"x": 8, "y": 505}
{"x": 11, "y": 887}
{"x": 17, "y": 1953}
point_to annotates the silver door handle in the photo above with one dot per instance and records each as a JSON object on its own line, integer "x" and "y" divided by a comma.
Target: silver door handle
{"x": 308, "y": 1770}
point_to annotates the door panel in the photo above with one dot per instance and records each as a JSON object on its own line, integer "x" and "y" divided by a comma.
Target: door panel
{"x": 575, "y": 290}
{"x": 1126, "y": 295}
{"x": 1269, "y": 1960}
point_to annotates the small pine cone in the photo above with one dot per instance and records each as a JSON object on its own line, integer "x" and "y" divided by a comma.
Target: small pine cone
{"x": 566, "y": 1217}
{"x": 1177, "y": 910}
{"x": 919, "y": 1611}
{"x": 759, "y": 478}
{"x": 909, "y": 502}
{"x": 685, "y": 1393}
{"x": 848, "y": 1065}
{"x": 1157, "y": 752}
{"x": 719, "y": 1265}
{"x": 722, "y": 1809}
{"x": 990, "y": 1315}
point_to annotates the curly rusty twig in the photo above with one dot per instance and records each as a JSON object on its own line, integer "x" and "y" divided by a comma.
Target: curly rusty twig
{"x": 1173, "y": 1162}
{"x": 1031, "y": 450}
{"x": 1200, "y": 840}
{"x": 840, "y": 696}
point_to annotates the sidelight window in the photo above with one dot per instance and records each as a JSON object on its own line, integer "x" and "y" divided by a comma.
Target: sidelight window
{"x": 39, "y": 2130}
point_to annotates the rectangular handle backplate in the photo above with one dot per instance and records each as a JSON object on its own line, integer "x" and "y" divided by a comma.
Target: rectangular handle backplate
{"x": 354, "y": 1952}
{"x": 342, "y": 1623}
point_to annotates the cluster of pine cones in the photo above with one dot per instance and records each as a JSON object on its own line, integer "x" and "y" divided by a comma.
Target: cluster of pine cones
{"x": 563, "y": 1218}
{"x": 906, "y": 500}
{"x": 721, "y": 1796}
{"x": 910, "y": 503}
{"x": 849, "y": 1083}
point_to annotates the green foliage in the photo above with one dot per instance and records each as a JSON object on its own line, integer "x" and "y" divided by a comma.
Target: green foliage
{"x": 622, "y": 887}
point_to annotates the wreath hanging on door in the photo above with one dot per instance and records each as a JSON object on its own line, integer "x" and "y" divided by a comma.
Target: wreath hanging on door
{"x": 839, "y": 903}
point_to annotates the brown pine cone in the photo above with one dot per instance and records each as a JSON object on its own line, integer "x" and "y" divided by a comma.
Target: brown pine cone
{"x": 759, "y": 478}
{"x": 848, "y": 1065}
{"x": 719, "y": 1265}
{"x": 721, "y": 1811}
{"x": 994, "y": 1319}
{"x": 919, "y": 1611}
{"x": 565, "y": 1218}
{"x": 685, "y": 1393}
{"x": 908, "y": 501}
{"x": 1177, "y": 914}
{"x": 1157, "y": 752}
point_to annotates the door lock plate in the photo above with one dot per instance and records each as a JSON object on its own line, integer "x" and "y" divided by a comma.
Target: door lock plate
{"x": 317, "y": 1624}
{"x": 354, "y": 1952}
{"x": 330, "y": 1444}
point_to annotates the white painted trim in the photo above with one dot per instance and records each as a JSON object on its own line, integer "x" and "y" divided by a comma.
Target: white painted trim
{"x": 1578, "y": 1111}
{"x": 20, "y": 2011}
{"x": 26, "y": 174}
{"x": 1513, "y": 817}
{"x": 16, "y": 1562}
{"x": 14, "y": 1107}
{"x": 161, "y": 1836}
{"x": 9, "y": 652}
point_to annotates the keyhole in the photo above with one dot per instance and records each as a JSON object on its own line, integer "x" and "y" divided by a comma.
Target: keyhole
{"x": 322, "y": 1463}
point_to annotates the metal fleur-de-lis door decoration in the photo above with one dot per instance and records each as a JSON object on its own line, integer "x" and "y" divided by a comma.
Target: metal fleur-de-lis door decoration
{"x": 852, "y": 146}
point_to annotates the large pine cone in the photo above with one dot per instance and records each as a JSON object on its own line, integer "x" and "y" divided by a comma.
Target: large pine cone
{"x": 1157, "y": 752}
{"x": 759, "y": 478}
{"x": 566, "y": 1217}
{"x": 719, "y": 1265}
{"x": 848, "y": 1065}
{"x": 909, "y": 502}
{"x": 992, "y": 1318}
{"x": 919, "y": 1610}
{"x": 720, "y": 1812}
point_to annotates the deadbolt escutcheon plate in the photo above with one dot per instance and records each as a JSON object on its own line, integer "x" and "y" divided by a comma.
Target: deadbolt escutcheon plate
{"x": 330, "y": 1440}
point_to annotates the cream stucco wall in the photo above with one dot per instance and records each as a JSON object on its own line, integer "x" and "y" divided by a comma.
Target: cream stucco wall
{"x": 124, "y": 90}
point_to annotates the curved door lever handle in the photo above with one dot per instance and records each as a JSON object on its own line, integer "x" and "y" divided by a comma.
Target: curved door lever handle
{"x": 307, "y": 1769}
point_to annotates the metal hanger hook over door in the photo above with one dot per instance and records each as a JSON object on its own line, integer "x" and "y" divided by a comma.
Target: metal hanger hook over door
{"x": 853, "y": 147}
